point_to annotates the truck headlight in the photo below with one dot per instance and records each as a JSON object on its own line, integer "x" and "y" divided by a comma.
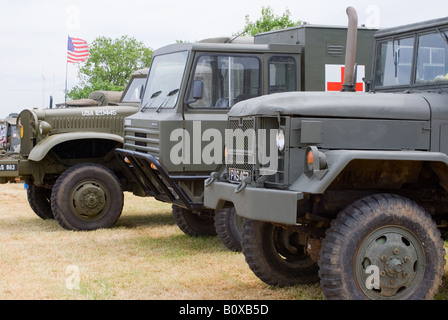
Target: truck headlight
{"x": 44, "y": 127}
{"x": 280, "y": 140}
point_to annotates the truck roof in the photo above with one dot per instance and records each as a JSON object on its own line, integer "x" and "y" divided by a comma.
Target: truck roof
{"x": 310, "y": 26}
{"x": 227, "y": 47}
{"x": 428, "y": 24}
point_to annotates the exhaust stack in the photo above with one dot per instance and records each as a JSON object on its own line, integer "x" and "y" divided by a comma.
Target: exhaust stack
{"x": 350, "y": 51}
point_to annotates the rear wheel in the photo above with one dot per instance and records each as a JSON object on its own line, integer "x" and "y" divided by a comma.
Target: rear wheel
{"x": 87, "y": 197}
{"x": 382, "y": 247}
{"x": 40, "y": 201}
{"x": 194, "y": 224}
{"x": 275, "y": 256}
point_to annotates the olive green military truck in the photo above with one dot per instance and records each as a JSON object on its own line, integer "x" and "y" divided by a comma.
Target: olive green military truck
{"x": 358, "y": 196}
{"x": 173, "y": 143}
{"x": 66, "y": 158}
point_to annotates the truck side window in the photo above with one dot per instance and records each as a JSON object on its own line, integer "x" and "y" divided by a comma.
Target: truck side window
{"x": 282, "y": 74}
{"x": 133, "y": 92}
{"x": 394, "y": 62}
{"x": 226, "y": 80}
{"x": 432, "y": 57}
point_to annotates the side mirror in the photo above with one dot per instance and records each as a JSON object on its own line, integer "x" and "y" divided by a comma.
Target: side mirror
{"x": 198, "y": 88}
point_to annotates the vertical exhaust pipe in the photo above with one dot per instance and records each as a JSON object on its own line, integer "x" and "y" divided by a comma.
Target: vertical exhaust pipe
{"x": 350, "y": 51}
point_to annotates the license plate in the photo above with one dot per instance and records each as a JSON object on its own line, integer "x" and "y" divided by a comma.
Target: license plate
{"x": 238, "y": 175}
{"x": 8, "y": 167}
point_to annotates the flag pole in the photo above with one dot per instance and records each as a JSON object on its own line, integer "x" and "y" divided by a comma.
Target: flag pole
{"x": 66, "y": 71}
{"x": 66, "y": 68}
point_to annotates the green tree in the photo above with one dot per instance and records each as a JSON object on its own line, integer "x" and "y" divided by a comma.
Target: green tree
{"x": 110, "y": 65}
{"x": 267, "y": 22}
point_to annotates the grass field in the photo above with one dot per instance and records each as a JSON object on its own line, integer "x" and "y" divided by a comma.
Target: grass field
{"x": 145, "y": 256}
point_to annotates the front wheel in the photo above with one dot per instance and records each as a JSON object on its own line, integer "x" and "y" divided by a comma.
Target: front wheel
{"x": 275, "y": 255}
{"x": 87, "y": 197}
{"x": 382, "y": 247}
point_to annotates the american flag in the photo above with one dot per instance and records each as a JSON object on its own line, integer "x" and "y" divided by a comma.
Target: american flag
{"x": 77, "y": 50}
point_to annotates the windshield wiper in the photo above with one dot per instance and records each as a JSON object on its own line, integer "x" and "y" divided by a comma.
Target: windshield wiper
{"x": 154, "y": 95}
{"x": 168, "y": 97}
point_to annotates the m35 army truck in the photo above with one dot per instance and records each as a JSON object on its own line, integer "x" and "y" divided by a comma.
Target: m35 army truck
{"x": 66, "y": 158}
{"x": 190, "y": 89}
{"x": 358, "y": 198}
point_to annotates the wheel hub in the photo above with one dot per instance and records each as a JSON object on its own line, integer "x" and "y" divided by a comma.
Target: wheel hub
{"x": 89, "y": 200}
{"x": 395, "y": 259}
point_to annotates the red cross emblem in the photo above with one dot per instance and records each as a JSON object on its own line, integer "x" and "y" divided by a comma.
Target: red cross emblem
{"x": 337, "y": 85}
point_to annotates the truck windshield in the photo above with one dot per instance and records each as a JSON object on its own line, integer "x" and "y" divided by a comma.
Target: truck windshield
{"x": 394, "y": 62}
{"x": 396, "y": 66}
{"x": 164, "y": 81}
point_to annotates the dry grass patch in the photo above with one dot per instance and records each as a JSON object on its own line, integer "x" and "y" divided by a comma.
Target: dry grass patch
{"x": 145, "y": 256}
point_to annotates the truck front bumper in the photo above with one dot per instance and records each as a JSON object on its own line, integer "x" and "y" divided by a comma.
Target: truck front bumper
{"x": 279, "y": 206}
{"x": 9, "y": 169}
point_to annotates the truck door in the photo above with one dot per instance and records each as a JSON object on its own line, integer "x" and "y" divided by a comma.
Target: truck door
{"x": 224, "y": 80}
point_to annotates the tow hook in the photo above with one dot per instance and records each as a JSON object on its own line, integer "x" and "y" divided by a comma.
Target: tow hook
{"x": 213, "y": 177}
{"x": 243, "y": 184}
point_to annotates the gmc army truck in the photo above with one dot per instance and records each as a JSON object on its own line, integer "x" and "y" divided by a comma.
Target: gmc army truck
{"x": 358, "y": 197}
{"x": 66, "y": 158}
{"x": 168, "y": 143}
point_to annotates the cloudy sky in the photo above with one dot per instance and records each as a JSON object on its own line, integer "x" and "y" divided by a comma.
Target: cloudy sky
{"x": 33, "y": 33}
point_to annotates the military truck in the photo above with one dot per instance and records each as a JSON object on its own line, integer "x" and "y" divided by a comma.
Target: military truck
{"x": 67, "y": 161}
{"x": 11, "y": 141}
{"x": 168, "y": 144}
{"x": 358, "y": 198}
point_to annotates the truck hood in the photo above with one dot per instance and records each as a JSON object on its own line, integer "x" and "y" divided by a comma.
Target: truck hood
{"x": 83, "y": 112}
{"x": 337, "y": 104}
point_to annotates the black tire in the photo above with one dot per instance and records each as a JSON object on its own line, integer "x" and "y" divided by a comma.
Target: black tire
{"x": 229, "y": 227}
{"x": 388, "y": 235}
{"x": 273, "y": 256}
{"x": 193, "y": 224}
{"x": 87, "y": 197}
{"x": 40, "y": 201}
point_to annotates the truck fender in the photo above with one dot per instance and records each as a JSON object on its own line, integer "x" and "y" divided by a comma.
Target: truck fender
{"x": 42, "y": 148}
{"x": 337, "y": 160}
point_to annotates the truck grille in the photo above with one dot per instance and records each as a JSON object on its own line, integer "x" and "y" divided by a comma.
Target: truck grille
{"x": 243, "y": 159}
{"x": 103, "y": 124}
{"x": 241, "y": 152}
{"x": 142, "y": 140}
